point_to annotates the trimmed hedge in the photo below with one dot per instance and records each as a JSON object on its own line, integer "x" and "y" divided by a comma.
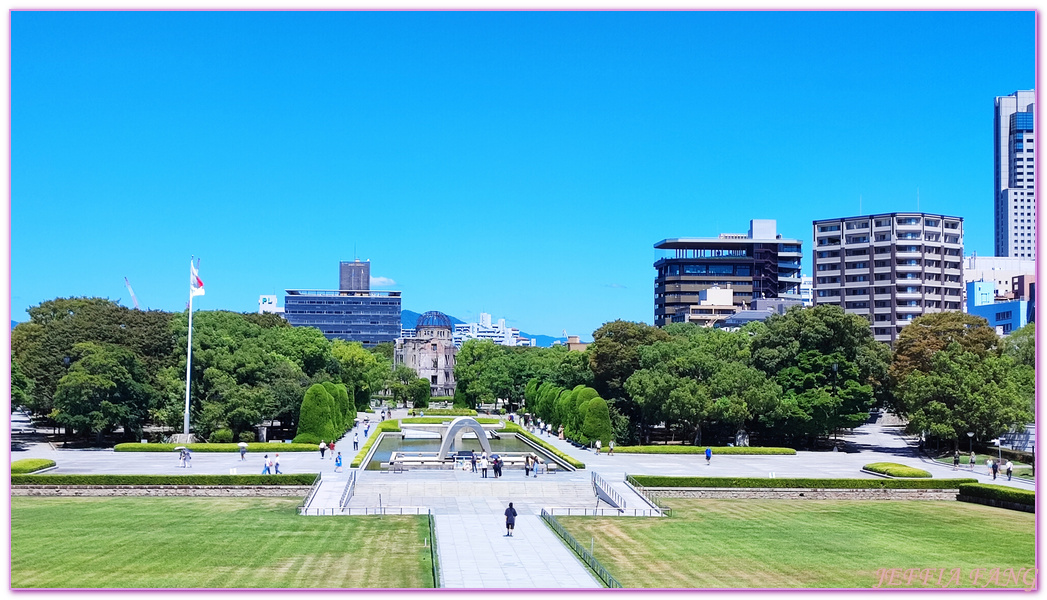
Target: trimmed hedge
{"x": 451, "y": 412}
{"x": 895, "y": 470}
{"x": 514, "y": 428}
{"x": 382, "y": 427}
{"x": 255, "y": 447}
{"x": 438, "y": 420}
{"x": 29, "y": 465}
{"x": 790, "y": 483}
{"x": 998, "y": 492}
{"x": 722, "y": 450}
{"x": 106, "y": 480}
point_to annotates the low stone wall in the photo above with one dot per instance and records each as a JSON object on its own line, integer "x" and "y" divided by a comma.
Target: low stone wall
{"x": 225, "y": 491}
{"x": 802, "y": 494}
{"x": 997, "y": 503}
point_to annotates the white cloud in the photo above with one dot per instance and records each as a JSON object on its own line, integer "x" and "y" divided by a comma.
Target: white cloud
{"x": 381, "y": 282}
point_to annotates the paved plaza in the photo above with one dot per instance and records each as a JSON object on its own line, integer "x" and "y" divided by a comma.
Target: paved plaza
{"x": 468, "y": 510}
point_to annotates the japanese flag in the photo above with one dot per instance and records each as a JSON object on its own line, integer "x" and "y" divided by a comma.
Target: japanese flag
{"x": 196, "y": 285}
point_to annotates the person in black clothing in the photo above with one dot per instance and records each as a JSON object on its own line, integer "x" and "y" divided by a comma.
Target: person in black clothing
{"x": 510, "y": 520}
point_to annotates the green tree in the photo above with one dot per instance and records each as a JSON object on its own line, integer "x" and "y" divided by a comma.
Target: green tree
{"x": 367, "y": 373}
{"x": 597, "y": 425}
{"x": 928, "y": 334}
{"x": 1021, "y": 346}
{"x": 614, "y": 355}
{"x": 315, "y": 415}
{"x": 105, "y": 388}
{"x": 419, "y": 391}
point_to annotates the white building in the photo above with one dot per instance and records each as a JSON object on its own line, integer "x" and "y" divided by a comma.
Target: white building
{"x": 1015, "y": 175}
{"x": 999, "y": 270}
{"x": 267, "y": 304}
{"x": 485, "y": 330}
{"x": 807, "y": 290}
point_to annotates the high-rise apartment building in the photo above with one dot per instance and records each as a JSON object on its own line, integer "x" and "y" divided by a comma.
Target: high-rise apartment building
{"x": 889, "y": 268}
{"x": 761, "y": 264}
{"x": 1015, "y": 175}
{"x": 354, "y": 275}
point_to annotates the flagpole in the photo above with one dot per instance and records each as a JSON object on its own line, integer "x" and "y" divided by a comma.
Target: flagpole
{"x": 188, "y": 358}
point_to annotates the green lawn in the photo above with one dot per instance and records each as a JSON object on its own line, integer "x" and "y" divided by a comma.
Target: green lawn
{"x": 805, "y": 543}
{"x": 210, "y": 543}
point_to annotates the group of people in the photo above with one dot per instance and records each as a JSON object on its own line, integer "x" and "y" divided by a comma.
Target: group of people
{"x": 494, "y": 463}
{"x": 271, "y": 466}
{"x": 992, "y": 467}
{"x": 610, "y": 447}
{"x": 185, "y": 459}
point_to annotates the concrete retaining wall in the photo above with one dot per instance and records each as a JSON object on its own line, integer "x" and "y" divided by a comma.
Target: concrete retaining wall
{"x": 240, "y": 491}
{"x": 802, "y": 494}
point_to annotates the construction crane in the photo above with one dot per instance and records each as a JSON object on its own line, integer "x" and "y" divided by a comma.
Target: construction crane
{"x": 135, "y": 300}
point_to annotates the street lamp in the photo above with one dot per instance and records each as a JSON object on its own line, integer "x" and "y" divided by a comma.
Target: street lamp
{"x": 835, "y": 366}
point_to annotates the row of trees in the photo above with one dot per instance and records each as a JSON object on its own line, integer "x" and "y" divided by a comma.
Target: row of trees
{"x": 581, "y": 411}
{"x": 789, "y": 380}
{"x": 93, "y": 366}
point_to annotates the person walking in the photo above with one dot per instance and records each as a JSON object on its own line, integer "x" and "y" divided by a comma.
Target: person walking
{"x": 243, "y": 453}
{"x": 367, "y": 429}
{"x": 598, "y": 447}
{"x": 276, "y": 465}
{"x": 1009, "y": 467}
{"x": 988, "y": 466}
{"x": 972, "y": 462}
{"x": 338, "y": 463}
{"x": 708, "y": 456}
{"x": 472, "y": 459}
{"x": 265, "y": 465}
{"x": 995, "y": 469}
{"x": 356, "y": 441}
{"x": 527, "y": 466}
{"x": 955, "y": 460}
{"x": 510, "y": 520}
{"x": 483, "y": 467}
{"x": 323, "y": 448}
{"x": 181, "y": 458}
{"x": 188, "y": 459}
{"x": 330, "y": 447}
{"x": 610, "y": 446}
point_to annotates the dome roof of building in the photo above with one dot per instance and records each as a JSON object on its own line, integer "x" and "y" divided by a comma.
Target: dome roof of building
{"x": 433, "y": 318}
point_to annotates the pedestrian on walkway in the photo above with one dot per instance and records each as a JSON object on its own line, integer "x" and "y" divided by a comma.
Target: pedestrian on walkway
{"x": 265, "y": 465}
{"x": 483, "y": 466}
{"x": 243, "y": 453}
{"x": 367, "y": 429}
{"x": 510, "y": 520}
{"x": 1010, "y": 468}
{"x": 598, "y": 447}
{"x": 708, "y": 456}
{"x": 955, "y": 460}
{"x": 527, "y": 465}
{"x": 188, "y": 459}
{"x": 610, "y": 445}
{"x": 338, "y": 463}
{"x": 988, "y": 466}
{"x": 323, "y": 448}
{"x": 181, "y": 458}
{"x": 276, "y": 465}
{"x": 356, "y": 441}
{"x": 995, "y": 469}
{"x": 972, "y": 462}
{"x": 472, "y": 459}
{"x": 330, "y": 447}
{"x": 559, "y": 432}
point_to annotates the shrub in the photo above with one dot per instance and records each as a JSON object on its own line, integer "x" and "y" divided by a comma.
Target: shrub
{"x": 427, "y": 420}
{"x": 251, "y": 447}
{"x": 418, "y": 390}
{"x": 453, "y": 412}
{"x": 29, "y": 465}
{"x": 290, "y": 479}
{"x": 247, "y": 436}
{"x": 316, "y": 413}
{"x": 792, "y": 483}
{"x": 514, "y": 428}
{"x": 307, "y": 438}
{"x": 597, "y": 424}
{"x": 895, "y": 470}
{"x": 723, "y": 450}
{"x": 998, "y": 492}
{"x": 221, "y": 436}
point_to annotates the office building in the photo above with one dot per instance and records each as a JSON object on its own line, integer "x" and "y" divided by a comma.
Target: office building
{"x": 889, "y": 268}
{"x": 369, "y": 317}
{"x": 1002, "y": 271}
{"x": 715, "y": 304}
{"x": 267, "y": 304}
{"x": 1015, "y": 175}
{"x": 761, "y": 264}
{"x": 431, "y": 353}
{"x": 1005, "y": 316}
{"x": 354, "y": 275}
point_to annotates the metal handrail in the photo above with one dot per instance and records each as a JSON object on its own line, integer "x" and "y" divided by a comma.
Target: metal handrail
{"x": 649, "y": 497}
{"x": 600, "y": 483}
{"x": 347, "y": 493}
{"x": 602, "y": 573}
{"x": 384, "y": 510}
{"x": 572, "y": 511}
{"x": 432, "y": 551}
{"x": 312, "y": 492}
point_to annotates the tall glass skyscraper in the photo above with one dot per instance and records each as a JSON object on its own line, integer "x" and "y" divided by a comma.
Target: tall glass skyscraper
{"x": 1015, "y": 175}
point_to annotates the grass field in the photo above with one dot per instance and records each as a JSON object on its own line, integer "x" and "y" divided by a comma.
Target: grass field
{"x": 210, "y": 543}
{"x": 801, "y": 544}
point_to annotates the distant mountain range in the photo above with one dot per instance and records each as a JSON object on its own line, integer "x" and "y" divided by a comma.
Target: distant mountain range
{"x": 409, "y": 318}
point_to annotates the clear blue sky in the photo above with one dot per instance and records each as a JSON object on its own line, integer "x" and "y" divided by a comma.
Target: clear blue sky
{"x": 521, "y": 164}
